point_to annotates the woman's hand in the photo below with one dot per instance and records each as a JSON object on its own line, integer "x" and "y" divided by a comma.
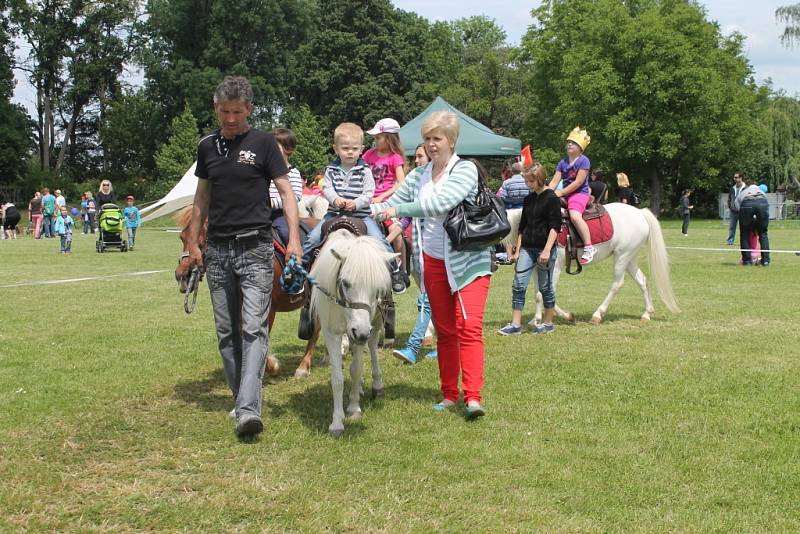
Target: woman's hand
{"x": 388, "y": 213}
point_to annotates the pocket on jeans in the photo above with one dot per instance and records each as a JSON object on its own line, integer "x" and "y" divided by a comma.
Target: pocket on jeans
{"x": 263, "y": 252}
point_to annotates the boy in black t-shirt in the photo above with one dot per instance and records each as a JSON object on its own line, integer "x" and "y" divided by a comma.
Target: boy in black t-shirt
{"x": 235, "y": 165}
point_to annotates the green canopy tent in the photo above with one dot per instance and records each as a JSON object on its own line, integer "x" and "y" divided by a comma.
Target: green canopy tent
{"x": 474, "y": 139}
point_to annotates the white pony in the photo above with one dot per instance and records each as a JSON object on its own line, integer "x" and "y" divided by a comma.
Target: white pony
{"x": 354, "y": 270}
{"x": 632, "y": 227}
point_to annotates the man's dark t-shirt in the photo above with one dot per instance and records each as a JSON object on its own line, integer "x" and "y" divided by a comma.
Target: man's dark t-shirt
{"x": 239, "y": 194}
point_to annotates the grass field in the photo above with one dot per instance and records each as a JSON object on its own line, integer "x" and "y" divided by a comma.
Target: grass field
{"x": 113, "y": 410}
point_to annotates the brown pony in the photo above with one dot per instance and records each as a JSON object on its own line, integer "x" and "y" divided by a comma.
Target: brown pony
{"x": 281, "y": 301}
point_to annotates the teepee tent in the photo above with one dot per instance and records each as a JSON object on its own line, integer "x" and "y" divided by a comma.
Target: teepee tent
{"x": 179, "y": 197}
{"x": 474, "y": 138}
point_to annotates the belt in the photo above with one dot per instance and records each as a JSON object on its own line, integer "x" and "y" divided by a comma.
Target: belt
{"x": 250, "y": 237}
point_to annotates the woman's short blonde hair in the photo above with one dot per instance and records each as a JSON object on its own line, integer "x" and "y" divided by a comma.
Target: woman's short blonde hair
{"x": 536, "y": 171}
{"x": 622, "y": 180}
{"x": 444, "y": 121}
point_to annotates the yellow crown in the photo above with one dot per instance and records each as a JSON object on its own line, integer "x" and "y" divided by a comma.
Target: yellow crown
{"x": 580, "y": 137}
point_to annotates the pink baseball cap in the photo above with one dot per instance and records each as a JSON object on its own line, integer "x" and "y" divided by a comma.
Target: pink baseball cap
{"x": 385, "y": 126}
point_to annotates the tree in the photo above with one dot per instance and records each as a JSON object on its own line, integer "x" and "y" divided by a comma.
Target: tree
{"x": 77, "y": 52}
{"x": 313, "y": 146}
{"x": 16, "y": 140}
{"x": 791, "y": 16}
{"x": 177, "y": 154}
{"x": 665, "y": 96}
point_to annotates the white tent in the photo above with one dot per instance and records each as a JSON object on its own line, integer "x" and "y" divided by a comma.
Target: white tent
{"x": 179, "y": 197}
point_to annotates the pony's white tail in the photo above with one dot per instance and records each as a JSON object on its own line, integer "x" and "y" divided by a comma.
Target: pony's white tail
{"x": 514, "y": 216}
{"x": 659, "y": 262}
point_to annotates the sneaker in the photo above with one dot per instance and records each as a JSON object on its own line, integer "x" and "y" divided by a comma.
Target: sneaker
{"x": 510, "y": 329}
{"x": 588, "y": 254}
{"x": 405, "y": 354}
{"x": 400, "y": 282}
{"x": 729, "y": 243}
{"x": 474, "y": 410}
{"x": 685, "y": 235}
{"x": 765, "y": 264}
{"x": 432, "y": 355}
{"x": 543, "y": 328}
{"x": 248, "y": 426}
{"x": 443, "y": 405}
{"x": 232, "y": 413}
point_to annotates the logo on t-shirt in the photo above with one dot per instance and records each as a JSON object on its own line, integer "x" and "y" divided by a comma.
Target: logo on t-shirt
{"x": 247, "y": 157}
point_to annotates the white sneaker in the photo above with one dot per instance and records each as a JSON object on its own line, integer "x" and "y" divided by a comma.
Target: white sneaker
{"x": 232, "y": 414}
{"x": 588, "y": 254}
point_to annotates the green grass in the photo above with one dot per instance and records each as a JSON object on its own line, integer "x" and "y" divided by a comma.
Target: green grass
{"x": 113, "y": 410}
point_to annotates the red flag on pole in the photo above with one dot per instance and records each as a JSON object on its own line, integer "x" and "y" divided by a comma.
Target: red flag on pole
{"x": 527, "y": 156}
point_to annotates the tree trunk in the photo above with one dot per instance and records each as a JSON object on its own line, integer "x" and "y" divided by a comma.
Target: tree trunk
{"x": 46, "y": 129}
{"x": 655, "y": 192}
{"x": 67, "y": 137}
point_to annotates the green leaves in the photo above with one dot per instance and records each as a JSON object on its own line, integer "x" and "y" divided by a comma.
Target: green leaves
{"x": 175, "y": 156}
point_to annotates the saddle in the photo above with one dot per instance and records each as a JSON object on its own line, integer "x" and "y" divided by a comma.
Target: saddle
{"x": 601, "y": 229}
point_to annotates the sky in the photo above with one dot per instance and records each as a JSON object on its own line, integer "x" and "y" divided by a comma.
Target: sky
{"x": 754, "y": 19}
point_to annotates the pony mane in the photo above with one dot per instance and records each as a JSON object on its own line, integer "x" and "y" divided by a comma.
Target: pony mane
{"x": 184, "y": 216}
{"x": 364, "y": 266}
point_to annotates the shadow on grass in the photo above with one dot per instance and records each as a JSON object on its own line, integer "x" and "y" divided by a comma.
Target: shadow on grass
{"x": 204, "y": 393}
{"x": 314, "y": 405}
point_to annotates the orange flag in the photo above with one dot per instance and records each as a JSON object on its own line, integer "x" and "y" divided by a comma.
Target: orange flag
{"x": 527, "y": 156}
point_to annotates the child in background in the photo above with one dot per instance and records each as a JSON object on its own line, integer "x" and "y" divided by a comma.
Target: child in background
{"x": 349, "y": 188}
{"x": 386, "y": 160}
{"x": 287, "y": 142}
{"x": 132, "y": 221}
{"x": 63, "y": 227}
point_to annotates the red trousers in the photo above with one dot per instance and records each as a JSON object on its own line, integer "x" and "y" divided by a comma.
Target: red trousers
{"x": 460, "y": 339}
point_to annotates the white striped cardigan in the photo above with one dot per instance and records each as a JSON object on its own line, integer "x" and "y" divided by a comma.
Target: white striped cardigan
{"x": 462, "y": 266}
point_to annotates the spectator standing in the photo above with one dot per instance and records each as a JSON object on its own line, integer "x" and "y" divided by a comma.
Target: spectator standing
{"x": 513, "y": 191}
{"x": 105, "y": 194}
{"x": 60, "y": 201}
{"x": 538, "y": 231}
{"x": 736, "y": 189}
{"x": 684, "y": 210}
{"x": 63, "y": 228}
{"x": 35, "y": 214}
{"x": 11, "y": 218}
{"x": 624, "y": 192}
{"x": 91, "y": 212}
{"x": 132, "y": 221}
{"x": 48, "y": 212}
{"x": 598, "y": 188}
{"x": 753, "y": 216}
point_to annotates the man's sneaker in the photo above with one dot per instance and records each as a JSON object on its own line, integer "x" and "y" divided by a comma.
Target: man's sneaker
{"x": 588, "y": 254}
{"x": 399, "y": 281}
{"x": 729, "y": 243}
{"x": 405, "y": 354}
{"x": 510, "y": 329}
{"x": 248, "y": 426}
{"x": 543, "y": 328}
{"x": 232, "y": 414}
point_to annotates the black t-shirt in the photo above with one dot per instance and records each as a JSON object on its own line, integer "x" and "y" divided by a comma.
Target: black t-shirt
{"x": 239, "y": 196}
{"x": 106, "y": 198}
{"x": 540, "y": 213}
{"x": 625, "y": 193}
{"x": 598, "y": 190}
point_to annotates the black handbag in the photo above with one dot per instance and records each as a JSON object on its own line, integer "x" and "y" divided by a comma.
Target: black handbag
{"x": 480, "y": 225}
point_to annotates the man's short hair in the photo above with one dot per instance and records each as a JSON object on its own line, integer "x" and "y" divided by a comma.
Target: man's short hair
{"x": 348, "y": 130}
{"x": 444, "y": 121}
{"x": 516, "y": 167}
{"x": 232, "y": 89}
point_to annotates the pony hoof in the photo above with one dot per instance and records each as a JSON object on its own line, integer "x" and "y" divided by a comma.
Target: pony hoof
{"x": 273, "y": 366}
{"x": 377, "y": 393}
{"x": 596, "y": 320}
{"x": 645, "y": 319}
{"x": 337, "y": 433}
{"x": 354, "y": 416}
{"x": 302, "y": 373}
{"x": 570, "y": 317}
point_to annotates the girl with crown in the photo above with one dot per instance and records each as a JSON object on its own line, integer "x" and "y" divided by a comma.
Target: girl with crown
{"x": 574, "y": 171}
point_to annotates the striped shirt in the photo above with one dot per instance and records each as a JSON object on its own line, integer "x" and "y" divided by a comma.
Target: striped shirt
{"x": 295, "y": 180}
{"x": 513, "y": 192}
{"x": 354, "y": 184}
{"x": 462, "y": 266}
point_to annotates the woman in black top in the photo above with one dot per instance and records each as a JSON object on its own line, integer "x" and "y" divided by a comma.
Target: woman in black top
{"x": 105, "y": 195}
{"x": 538, "y": 230}
{"x": 624, "y": 192}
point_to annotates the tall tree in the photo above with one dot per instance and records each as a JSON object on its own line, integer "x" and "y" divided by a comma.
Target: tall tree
{"x": 791, "y": 16}
{"x": 78, "y": 50}
{"x": 313, "y": 145}
{"x": 15, "y": 127}
{"x": 665, "y": 96}
{"x": 176, "y": 155}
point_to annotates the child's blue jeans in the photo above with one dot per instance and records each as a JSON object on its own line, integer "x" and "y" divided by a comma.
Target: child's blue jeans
{"x": 526, "y": 264}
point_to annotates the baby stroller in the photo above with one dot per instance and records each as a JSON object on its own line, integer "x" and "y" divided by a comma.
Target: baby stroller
{"x": 110, "y": 224}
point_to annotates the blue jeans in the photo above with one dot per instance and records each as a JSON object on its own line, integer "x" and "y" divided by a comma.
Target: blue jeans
{"x": 132, "y": 236}
{"x": 754, "y": 216}
{"x": 526, "y": 265}
{"x": 315, "y": 236}
{"x": 239, "y": 277}
{"x": 732, "y": 226}
{"x": 423, "y": 319}
{"x": 47, "y": 225}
